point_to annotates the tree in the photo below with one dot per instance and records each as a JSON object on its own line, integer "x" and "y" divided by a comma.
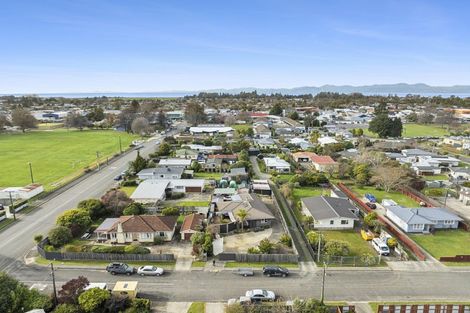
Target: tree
{"x": 93, "y": 300}
{"x": 139, "y": 306}
{"x": 392, "y": 242}
{"x": 361, "y": 173}
{"x": 38, "y": 238}
{"x": 314, "y": 237}
{"x": 412, "y": 117}
{"x": 445, "y": 118}
{"x": 140, "y": 126}
{"x": 72, "y": 289}
{"x": 23, "y": 119}
{"x": 389, "y": 177}
{"x": 134, "y": 209}
{"x": 77, "y": 220}
{"x": 76, "y": 120}
{"x": 337, "y": 248}
{"x": 314, "y": 135}
{"x": 16, "y": 297}
{"x": 94, "y": 207}
{"x": 164, "y": 149}
{"x": 368, "y": 259}
{"x": 4, "y": 122}
{"x": 125, "y": 119}
{"x": 425, "y": 118}
{"x": 96, "y": 115}
{"x": 161, "y": 120}
{"x": 294, "y": 115}
{"x": 308, "y": 220}
{"x": 265, "y": 246}
{"x": 171, "y": 211}
{"x": 115, "y": 201}
{"x": 370, "y": 219}
{"x": 138, "y": 164}
{"x": 311, "y": 121}
{"x": 68, "y": 308}
{"x": 286, "y": 240}
{"x": 276, "y": 109}
{"x": 242, "y": 215}
{"x": 59, "y": 236}
{"x": 194, "y": 114}
{"x": 287, "y": 190}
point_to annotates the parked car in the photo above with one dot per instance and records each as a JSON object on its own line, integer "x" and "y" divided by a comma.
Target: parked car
{"x": 120, "y": 268}
{"x": 372, "y": 206}
{"x": 244, "y": 272}
{"x": 380, "y": 246}
{"x": 118, "y": 177}
{"x": 275, "y": 271}
{"x": 258, "y": 295}
{"x": 367, "y": 235}
{"x": 370, "y": 197}
{"x": 149, "y": 270}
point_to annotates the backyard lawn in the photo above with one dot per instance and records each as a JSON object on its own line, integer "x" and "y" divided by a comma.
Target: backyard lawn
{"x": 396, "y": 196}
{"x": 358, "y": 245}
{"x": 56, "y": 156}
{"x": 445, "y": 242}
{"x": 417, "y": 130}
{"x": 204, "y": 175}
{"x": 435, "y": 177}
{"x": 304, "y": 192}
{"x": 129, "y": 190}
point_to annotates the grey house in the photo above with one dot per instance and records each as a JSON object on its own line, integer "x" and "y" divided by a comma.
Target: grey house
{"x": 422, "y": 220}
{"x": 167, "y": 172}
{"x": 330, "y": 212}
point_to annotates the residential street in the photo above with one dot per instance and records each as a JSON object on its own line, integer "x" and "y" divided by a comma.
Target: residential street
{"x": 347, "y": 285}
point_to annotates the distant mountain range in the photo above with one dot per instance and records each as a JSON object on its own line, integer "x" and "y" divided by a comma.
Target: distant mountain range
{"x": 382, "y": 89}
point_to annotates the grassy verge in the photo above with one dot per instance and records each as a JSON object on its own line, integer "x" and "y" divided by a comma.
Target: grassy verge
{"x": 197, "y": 307}
{"x": 417, "y": 130}
{"x": 259, "y": 265}
{"x": 165, "y": 265}
{"x": 6, "y": 223}
{"x": 198, "y": 264}
{"x": 435, "y": 177}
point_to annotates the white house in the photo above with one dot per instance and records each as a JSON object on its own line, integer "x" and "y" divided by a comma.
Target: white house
{"x": 150, "y": 191}
{"x": 175, "y": 162}
{"x": 460, "y": 173}
{"x": 330, "y": 212}
{"x": 322, "y": 141}
{"x": 210, "y": 129}
{"x": 22, "y": 193}
{"x": 167, "y": 172}
{"x": 277, "y": 164}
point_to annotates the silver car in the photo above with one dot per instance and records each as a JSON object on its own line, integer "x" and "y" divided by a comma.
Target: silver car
{"x": 257, "y": 295}
{"x": 149, "y": 270}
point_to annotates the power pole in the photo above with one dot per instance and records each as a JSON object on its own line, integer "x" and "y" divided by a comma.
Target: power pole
{"x": 322, "y": 296}
{"x": 53, "y": 283}
{"x": 31, "y": 172}
{"x": 120, "y": 145}
{"x": 98, "y": 159}
{"x": 12, "y": 206}
{"x": 319, "y": 248}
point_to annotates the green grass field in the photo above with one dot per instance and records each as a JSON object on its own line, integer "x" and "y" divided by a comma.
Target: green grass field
{"x": 304, "y": 192}
{"x": 259, "y": 265}
{"x": 205, "y": 175}
{"x": 417, "y": 130}
{"x": 396, "y": 196}
{"x": 445, "y": 242}
{"x": 56, "y": 156}
{"x": 197, "y": 307}
{"x": 358, "y": 245}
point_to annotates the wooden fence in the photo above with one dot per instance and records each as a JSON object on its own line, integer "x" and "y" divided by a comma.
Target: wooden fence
{"x": 259, "y": 258}
{"x": 424, "y": 308}
{"x": 457, "y": 258}
{"x": 69, "y": 256}
{"x": 410, "y": 244}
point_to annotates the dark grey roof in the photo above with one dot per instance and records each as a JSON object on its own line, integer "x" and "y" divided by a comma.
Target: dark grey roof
{"x": 162, "y": 170}
{"x": 339, "y": 193}
{"x": 328, "y": 207}
{"x": 460, "y": 169}
{"x": 238, "y": 171}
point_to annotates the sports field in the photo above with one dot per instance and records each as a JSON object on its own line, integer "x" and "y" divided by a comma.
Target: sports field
{"x": 55, "y": 155}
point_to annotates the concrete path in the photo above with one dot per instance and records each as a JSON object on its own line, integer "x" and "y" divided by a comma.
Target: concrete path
{"x": 362, "y": 307}
{"x": 418, "y": 266}
{"x": 215, "y": 307}
{"x": 183, "y": 264}
{"x": 174, "y": 307}
{"x": 308, "y": 267}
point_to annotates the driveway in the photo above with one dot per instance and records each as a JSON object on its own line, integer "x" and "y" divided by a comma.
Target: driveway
{"x": 254, "y": 163}
{"x": 458, "y": 207}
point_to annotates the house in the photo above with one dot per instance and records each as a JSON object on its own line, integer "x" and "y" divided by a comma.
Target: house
{"x": 330, "y": 212}
{"x": 421, "y": 220}
{"x": 17, "y": 193}
{"x": 464, "y": 195}
{"x": 175, "y": 115}
{"x": 261, "y": 186}
{"x": 300, "y": 142}
{"x": 185, "y": 185}
{"x": 186, "y": 154}
{"x": 210, "y": 129}
{"x": 212, "y": 165}
{"x": 303, "y": 156}
{"x": 261, "y": 131}
{"x": 204, "y": 149}
{"x": 322, "y": 141}
{"x": 186, "y": 163}
{"x": 192, "y": 223}
{"x": 259, "y": 215}
{"x": 238, "y": 173}
{"x": 460, "y": 173}
{"x": 265, "y": 143}
{"x": 277, "y": 164}
{"x": 140, "y": 228}
{"x": 322, "y": 163}
{"x": 167, "y": 172}
{"x": 150, "y": 191}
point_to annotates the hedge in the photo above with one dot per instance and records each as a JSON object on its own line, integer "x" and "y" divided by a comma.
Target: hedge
{"x": 131, "y": 249}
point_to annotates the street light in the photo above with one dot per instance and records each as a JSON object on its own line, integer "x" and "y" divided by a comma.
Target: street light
{"x": 322, "y": 296}
{"x": 53, "y": 283}
{"x": 31, "y": 172}
{"x": 12, "y": 207}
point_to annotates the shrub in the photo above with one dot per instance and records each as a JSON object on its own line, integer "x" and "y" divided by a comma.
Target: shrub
{"x": 392, "y": 243}
{"x": 94, "y": 207}
{"x": 286, "y": 240}
{"x": 38, "y": 238}
{"x": 129, "y": 183}
{"x": 134, "y": 209}
{"x": 368, "y": 259}
{"x": 59, "y": 236}
{"x": 158, "y": 240}
{"x": 139, "y": 306}
{"x": 78, "y": 220}
{"x": 253, "y": 250}
{"x": 72, "y": 248}
{"x": 171, "y": 211}
{"x": 108, "y": 249}
{"x": 370, "y": 218}
{"x": 135, "y": 249}
{"x": 93, "y": 300}
{"x": 49, "y": 248}
{"x": 265, "y": 246}
{"x": 434, "y": 192}
{"x": 68, "y": 308}
{"x": 337, "y": 248}
{"x": 176, "y": 195}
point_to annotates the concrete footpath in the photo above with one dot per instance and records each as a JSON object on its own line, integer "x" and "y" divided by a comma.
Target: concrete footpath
{"x": 182, "y": 307}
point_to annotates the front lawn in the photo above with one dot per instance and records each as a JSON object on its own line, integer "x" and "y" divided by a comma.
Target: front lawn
{"x": 396, "y": 196}
{"x": 208, "y": 175}
{"x": 198, "y": 264}
{"x": 259, "y": 265}
{"x": 193, "y": 203}
{"x": 128, "y": 190}
{"x": 435, "y": 177}
{"x": 96, "y": 263}
{"x": 358, "y": 245}
{"x": 56, "y": 156}
{"x": 197, "y": 307}
{"x": 444, "y": 242}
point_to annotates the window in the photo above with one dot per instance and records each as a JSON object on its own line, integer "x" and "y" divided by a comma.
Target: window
{"x": 162, "y": 234}
{"x": 332, "y": 222}
{"x": 344, "y": 222}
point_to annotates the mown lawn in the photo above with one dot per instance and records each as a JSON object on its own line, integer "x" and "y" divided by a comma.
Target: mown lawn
{"x": 259, "y": 265}
{"x": 445, "y": 242}
{"x": 128, "y": 190}
{"x": 242, "y": 127}
{"x": 164, "y": 265}
{"x": 56, "y": 155}
{"x": 304, "y": 192}
{"x": 197, "y": 307}
{"x": 417, "y": 130}
{"x": 396, "y": 196}
{"x": 436, "y": 177}
{"x": 193, "y": 203}
{"x": 358, "y": 245}
{"x": 204, "y": 175}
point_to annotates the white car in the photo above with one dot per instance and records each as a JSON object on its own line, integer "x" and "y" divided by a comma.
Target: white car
{"x": 150, "y": 270}
{"x": 260, "y": 295}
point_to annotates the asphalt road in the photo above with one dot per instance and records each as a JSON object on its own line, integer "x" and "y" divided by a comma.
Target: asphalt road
{"x": 341, "y": 285}
{"x": 17, "y": 240}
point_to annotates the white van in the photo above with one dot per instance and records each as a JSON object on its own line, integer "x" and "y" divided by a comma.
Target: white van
{"x": 380, "y": 246}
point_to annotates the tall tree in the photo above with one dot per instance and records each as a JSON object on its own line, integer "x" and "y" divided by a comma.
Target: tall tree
{"x": 23, "y": 119}
{"x": 276, "y": 109}
{"x": 72, "y": 289}
{"x": 242, "y": 215}
{"x": 140, "y": 126}
{"x": 138, "y": 164}
{"x": 161, "y": 120}
{"x": 115, "y": 201}
{"x": 76, "y": 120}
{"x": 194, "y": 114}
{"x": 4, "y": 122}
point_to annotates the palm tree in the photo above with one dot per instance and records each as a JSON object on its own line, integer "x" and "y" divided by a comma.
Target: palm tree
{"x": 242, "y": 214}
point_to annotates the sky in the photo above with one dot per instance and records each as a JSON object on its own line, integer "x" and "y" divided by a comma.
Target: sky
{"x": 157, "y": 45}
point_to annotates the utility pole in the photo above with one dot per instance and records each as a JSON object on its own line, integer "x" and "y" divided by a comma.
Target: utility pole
{"x": 445, "y": 199}
{"x": 120, "y": 145}
{"x": 319, "y": 248}
{"x": 98, "y": 159}
{"x": 12, "y": 207}
{"x": 322, "y": 296}
{"x": 53, "y": 283}
{"x": 31, "y": 172}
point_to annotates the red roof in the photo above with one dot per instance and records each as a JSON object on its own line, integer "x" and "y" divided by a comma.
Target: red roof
{"x": 258, "y": 114}
{"x": 192, "y": 222}
{"x": 323, "y": 159}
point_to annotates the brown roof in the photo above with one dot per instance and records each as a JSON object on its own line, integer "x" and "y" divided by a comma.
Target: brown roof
{"x": 145, "y": 223}
{"x": 222, "y": 156}
{"x": 319, "y": 159}
{"x": 192, "y": 222}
